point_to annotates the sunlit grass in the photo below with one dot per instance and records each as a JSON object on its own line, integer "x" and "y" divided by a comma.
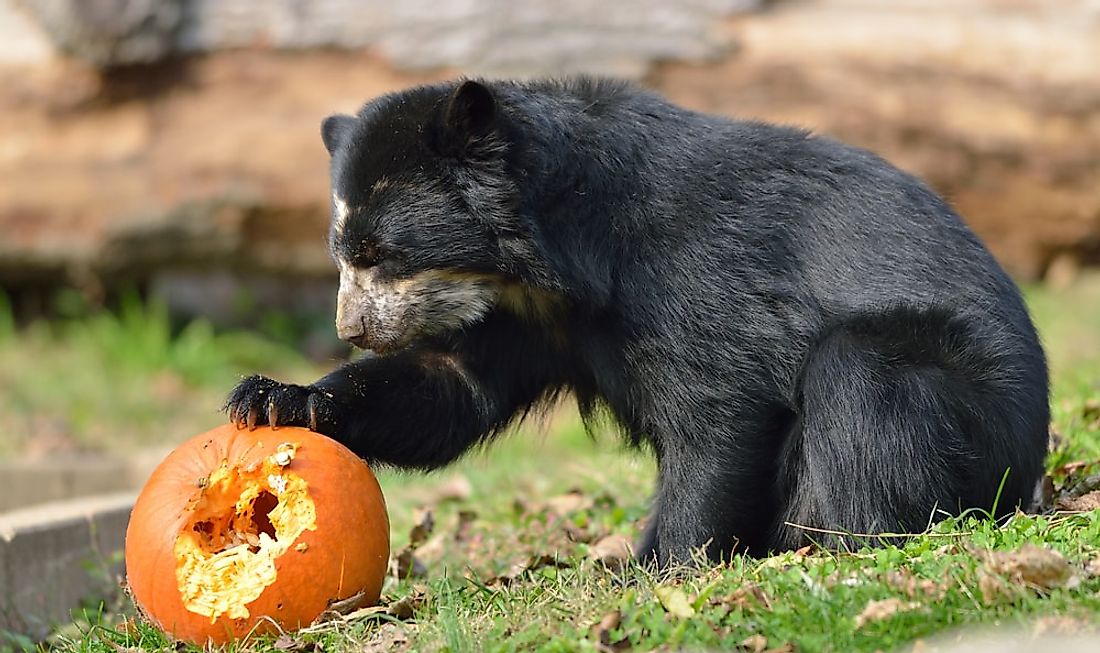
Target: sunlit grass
{"x": 113, "y": 380}
{"x": 100, "y": 376}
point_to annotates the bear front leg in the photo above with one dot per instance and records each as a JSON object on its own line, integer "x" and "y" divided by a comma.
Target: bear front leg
{"x": 417, "y": 409}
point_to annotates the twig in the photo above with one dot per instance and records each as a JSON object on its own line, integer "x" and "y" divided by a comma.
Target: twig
{"x": 827, "y": 531}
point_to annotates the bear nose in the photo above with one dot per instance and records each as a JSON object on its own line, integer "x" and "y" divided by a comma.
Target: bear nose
{"x": 349, "y": 330}
{"x": 350, "y": 323}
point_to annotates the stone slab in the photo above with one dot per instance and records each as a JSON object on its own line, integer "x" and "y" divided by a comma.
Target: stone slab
{"x": 54, "y": 556}
{"x": 26, "y": 483}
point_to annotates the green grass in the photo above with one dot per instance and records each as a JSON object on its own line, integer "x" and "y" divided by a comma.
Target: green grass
{"x": 473, "y": 600}
{"x": 115, "y": 380}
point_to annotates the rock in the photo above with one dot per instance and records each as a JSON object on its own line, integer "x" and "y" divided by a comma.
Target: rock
{"x": 110, "y": 32}
{"x": 213, "y": 163}
{"x": 992, "y": 102}
{"x": 223, "y": 171}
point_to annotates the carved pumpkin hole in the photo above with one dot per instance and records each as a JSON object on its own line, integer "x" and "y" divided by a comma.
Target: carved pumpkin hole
{"x": 222, "y": 532}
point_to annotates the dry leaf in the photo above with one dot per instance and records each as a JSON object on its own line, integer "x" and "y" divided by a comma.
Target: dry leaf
{"x": 614, "y": 551}
{"x": 406, "y": 606}
{"x": 456, "y": 488}
{"x": 465, "y": 522}
{"x": 601, "y": 633}
{"x": 292, "y": 644}
{"x": 992, "y": 587}
{"x": 406, "y": 565}
{"x": 754, "y": 643}
{"x": 524, "y": 565}
{"x": 432, "y": 550}
{"x": 118, "y": 648}
{"x": 747, "y": 596}
{"x": 389, "y": 637}
{"x": 129, "y": 626}
{"x": 569, "y": 502}
{"x": 547, "y": 560}
{"x": 1038, "y": 567}
{"x": 364, "y": 613}
{"x": 576, "y": 533}
{"x": 674, "y": 601}
{"x": 423, "y": 525}
{"x": 905, "y": 581}
{"x": 1092, "y": 567}
{"x": 347, "y": 605}
{"x": 785, "y": 559}
{"x": 1045, "y": 494}
{"x": 1091, "y": 413}
{"x": 884, "y": 609}
{"x": 1083, "y": 503}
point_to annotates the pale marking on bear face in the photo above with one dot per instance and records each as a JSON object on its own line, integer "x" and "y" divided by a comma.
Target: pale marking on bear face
{"x": 341, "y": 213}
{"x": 392, "y": 312}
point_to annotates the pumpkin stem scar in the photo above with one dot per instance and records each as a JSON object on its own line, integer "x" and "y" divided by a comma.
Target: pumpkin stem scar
{"x": 242, "y": 520}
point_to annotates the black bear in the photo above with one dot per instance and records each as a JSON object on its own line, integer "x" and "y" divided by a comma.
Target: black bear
{"x": 802, "y": 334}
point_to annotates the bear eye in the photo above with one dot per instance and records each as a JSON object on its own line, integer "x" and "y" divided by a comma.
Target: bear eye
{"x": 368, "y": 256}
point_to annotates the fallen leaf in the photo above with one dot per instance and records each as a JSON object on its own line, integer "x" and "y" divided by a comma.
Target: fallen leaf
{"x": 389, "y": 637}
{"x": 1038, "y": 567}
{"x": 465, "y": 522}
{"x": 291, "y": 644}
{"x": 992, "y": 587}
{"x": 785, "y": 559}
{"x": 576, "y": 533}
{"x": 1083, "y": 503}
{"x": 754, "y": 643}
{"x": 529, "y": 563}
{"x": 914, "y": 587}
{"x": 613, "y": 551}
{"x": 347, "y": 605}
{"x": 406, "y": 565}
{"x": 1045, "y": 494}
{"x": 118, "y": 648}
{"x": 884, "y": 609}
{"x": 1092, "y": 567}
{"x": 748, "y": 596}
{"x": 129, "y": 626}
{"x": 432, "y": 550}
{"x": 569, "y": 502}
{"x": 601, "y": 633}
{"x": 674, "y": 601}
{"x": 1078, "y": 485}
{"x": 361, "y": 614}
{"x": 455, "y": 488}
{"x": 406, "y": 606}
{"x": 1090, "y": 411}
{"x": 423, "y": 525}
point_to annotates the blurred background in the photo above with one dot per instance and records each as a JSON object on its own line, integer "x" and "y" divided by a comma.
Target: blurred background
{"x": 164, "y": 190}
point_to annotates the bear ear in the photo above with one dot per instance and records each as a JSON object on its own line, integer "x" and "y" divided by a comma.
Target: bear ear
{"x": 471, "y": 111}
{"x": 334, "y": 129}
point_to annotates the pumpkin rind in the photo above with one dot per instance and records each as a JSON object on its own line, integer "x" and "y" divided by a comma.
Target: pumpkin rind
{"x": 335, "y": 543}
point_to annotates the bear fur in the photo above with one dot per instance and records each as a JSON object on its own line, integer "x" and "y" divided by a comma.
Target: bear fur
{"x": 802, "y": 334}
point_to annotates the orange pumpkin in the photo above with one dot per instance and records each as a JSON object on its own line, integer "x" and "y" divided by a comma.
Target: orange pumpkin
{"x": 239, "y": 531}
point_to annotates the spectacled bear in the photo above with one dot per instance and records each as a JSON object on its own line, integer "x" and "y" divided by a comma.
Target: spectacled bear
{"x": 801, "y": 333}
